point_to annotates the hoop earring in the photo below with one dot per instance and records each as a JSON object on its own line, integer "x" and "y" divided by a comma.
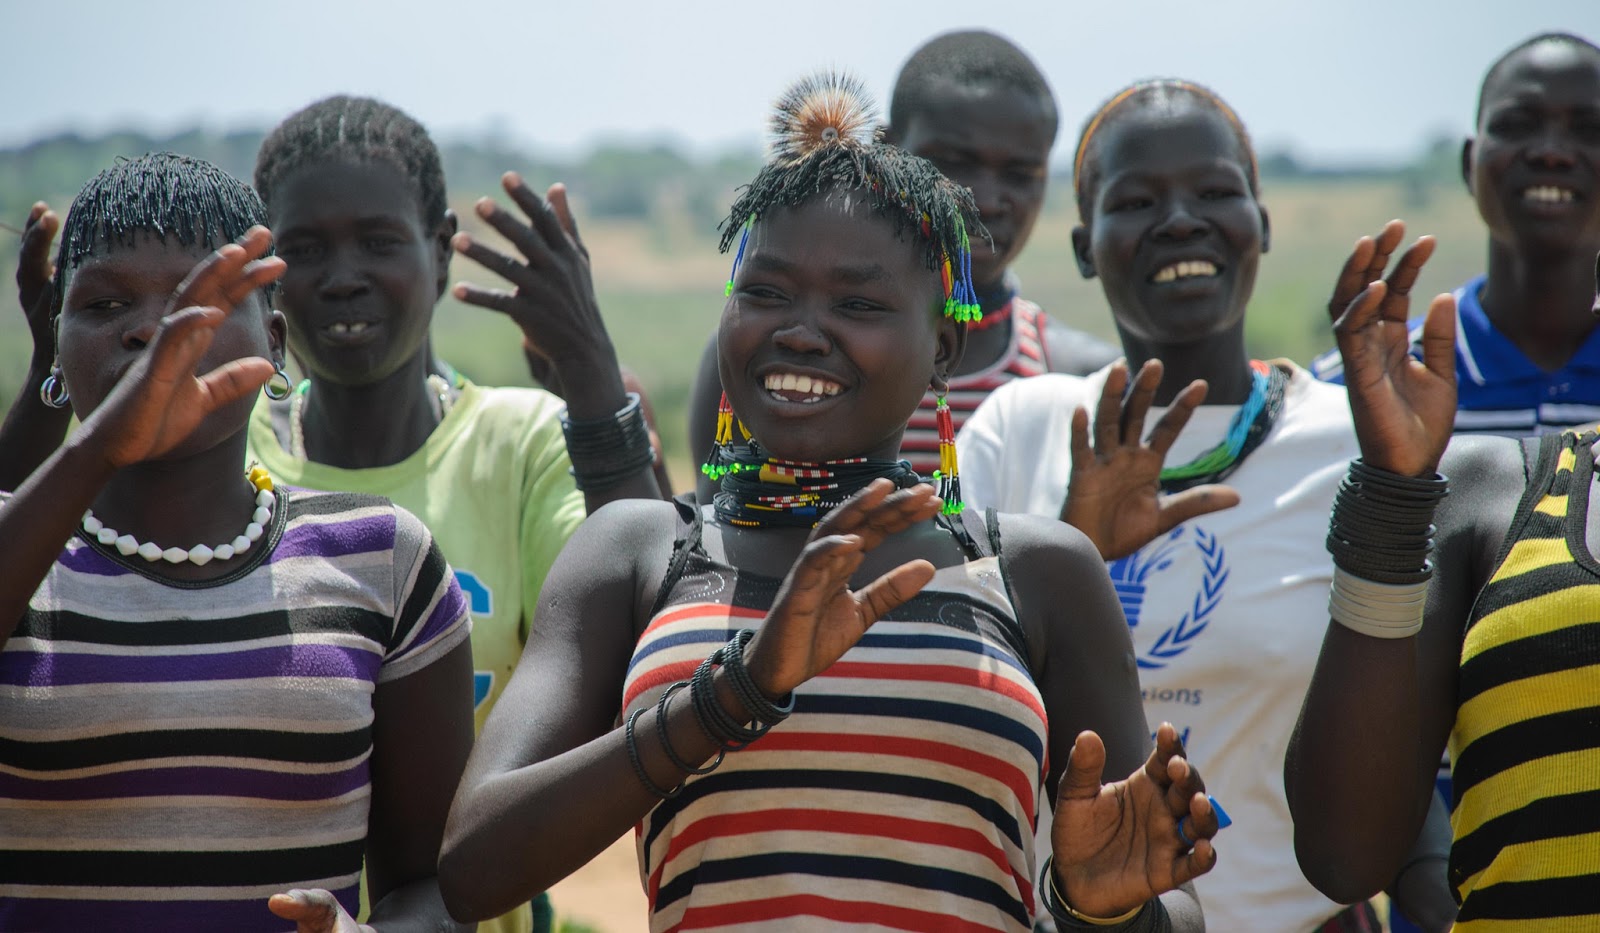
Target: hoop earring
{"x": 279, "y": 386}
{"x": 53, "y": 391}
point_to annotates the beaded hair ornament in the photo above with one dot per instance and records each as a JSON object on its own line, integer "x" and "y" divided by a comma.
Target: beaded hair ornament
{"x": 825, "y": 138}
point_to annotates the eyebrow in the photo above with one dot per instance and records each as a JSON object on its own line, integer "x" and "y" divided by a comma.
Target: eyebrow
{"x": 850, "y": 275}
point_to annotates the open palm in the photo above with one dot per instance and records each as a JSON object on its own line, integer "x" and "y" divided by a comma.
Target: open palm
{"x": 1114, "y": 490}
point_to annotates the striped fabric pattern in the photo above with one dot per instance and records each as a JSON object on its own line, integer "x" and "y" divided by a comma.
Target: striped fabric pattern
{"x": 172, "y": 755}
{"x": 1499, "y": 390}
{"x": 901, "y": 793}
{"x": 1526, "y": 742}
{"x": 1025, "y": 357}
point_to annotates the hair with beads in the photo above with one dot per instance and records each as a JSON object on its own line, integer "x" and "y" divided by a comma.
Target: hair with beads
{"x": 359, "y": 130}
{"x": 1571, "y": 40}
{"x": 968, "y": 58}
{"x": 824, "y": 142}
{"x": 169, "y": 196}
{"x": 1160, "y": 91}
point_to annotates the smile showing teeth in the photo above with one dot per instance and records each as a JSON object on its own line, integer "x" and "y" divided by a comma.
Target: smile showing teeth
{"x": 353, "y": 328}
{"x": 793, "y": 387}
{"x": 1547, "y": 194}
{"x": 1188, "y": 269}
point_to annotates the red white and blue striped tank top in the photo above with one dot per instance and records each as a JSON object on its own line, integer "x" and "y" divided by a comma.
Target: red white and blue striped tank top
{"x": 1026, "y": 356}
{"x": 901, "y": 793}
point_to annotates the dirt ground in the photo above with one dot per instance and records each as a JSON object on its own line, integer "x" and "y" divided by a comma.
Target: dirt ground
{"x": 604, "y": 895}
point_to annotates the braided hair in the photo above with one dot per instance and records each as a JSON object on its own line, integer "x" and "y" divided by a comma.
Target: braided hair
{"x": 1155, "y": 92}
{"x": 825, "y": 141}
{"x": 360, "y": 130}
{"x": 161, "y": 194}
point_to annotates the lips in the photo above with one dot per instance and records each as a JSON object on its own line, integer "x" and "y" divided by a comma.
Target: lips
{"x": 350, "y": 332}
{"x": 1185, "y": 269}
{"x": 799, "y": 387}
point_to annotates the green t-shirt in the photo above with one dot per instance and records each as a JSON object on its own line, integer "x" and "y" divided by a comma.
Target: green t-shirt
{"x": 492, "y": 484}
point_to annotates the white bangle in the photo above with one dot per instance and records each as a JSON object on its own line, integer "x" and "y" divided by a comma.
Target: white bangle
{"x": 1378, "y": 610}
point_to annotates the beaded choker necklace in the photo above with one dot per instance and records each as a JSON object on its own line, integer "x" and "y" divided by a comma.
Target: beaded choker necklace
{"x": 993, "y": 319}
{"x": 759, "y": 491}
{"x": 1250, "y": 426}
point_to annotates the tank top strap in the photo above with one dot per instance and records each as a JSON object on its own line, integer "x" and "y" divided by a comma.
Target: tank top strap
{"x": 687, "y": 542}
{"x": 981, "y": 539}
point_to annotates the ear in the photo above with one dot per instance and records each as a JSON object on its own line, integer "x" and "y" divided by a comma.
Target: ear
{"x": 278, "y": 337}
{"x": 952, "y": 347}
{"x": 1080, "y": 251}
{"x": 1467, "y": 147}
{"x": 441, "y": 239}
{"x": 1266, "y": 229}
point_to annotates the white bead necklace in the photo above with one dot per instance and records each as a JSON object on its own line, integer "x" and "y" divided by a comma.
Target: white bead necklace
{"x": 200, "y": 554}
{"x": 439, "y": 396}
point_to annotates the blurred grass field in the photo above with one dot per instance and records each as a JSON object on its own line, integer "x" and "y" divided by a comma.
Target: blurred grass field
{"x": 660, "y": 281}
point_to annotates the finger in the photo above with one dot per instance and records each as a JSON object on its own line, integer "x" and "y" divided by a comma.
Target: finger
{"x": 850, "y": 514}
{"x": 527, "y": 242}
{"x": 1081, "y": 452}
{"x": 254, "y": 275}
{"x": 1194, "y": 863}
{"x": 1439, "y": 338}
{"x": 897, "y": 512}
{"x": 495, "y": 261}
{"x": 492, "y": 298}
{"x": 180, "y": 341}
{"x": 204, "y": 283}
{"x": 1387, "y": 241}
{"x": 34, "y": 256}
{"x": 234, "y": 380}
{"x": 1352, "y": 277}
{"x": 1362, "y": 312}
{"x": 894, "y": 588}
{"x": 1108, "y": 414}
{"x": 545, "y": 224}
{"x": 1178, "y": 508}
{"x": 1138, "y": 403}
{"x": 1167, "y": 747}
{"x": 557, "y": 198}
{"x": 822, "y": 571}
{"x": 1086, "y": 765}
{"x": 1410, "y": 266}
{"x": 1171, "y": 424}
{"x": 313, "y": 910}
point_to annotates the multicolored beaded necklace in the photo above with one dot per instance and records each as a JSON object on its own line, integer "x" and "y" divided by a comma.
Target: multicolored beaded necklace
{"x": 1250, "y": 426}
{"x": 760, "y": 491}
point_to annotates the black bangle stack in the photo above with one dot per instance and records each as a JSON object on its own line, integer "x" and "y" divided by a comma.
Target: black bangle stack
{"x": 721, "y": 726}
{"x": 1382, "y": 524}
{"x": 608, "y": 451}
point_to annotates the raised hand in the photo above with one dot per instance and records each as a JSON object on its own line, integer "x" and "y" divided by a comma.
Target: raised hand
{"x": 35, "y": 273}
{"x": 1115, "y": 846}
{"x": 817, "y": 617}
{"x": 1114, "y": 490}
{"x": 315, "y": 911}
{"x": 553, "y": 301}
{"x": 161, "y": 399}
{"x": 1404, "y": 410}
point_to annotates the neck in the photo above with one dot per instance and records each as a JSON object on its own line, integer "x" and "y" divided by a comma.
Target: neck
{"x": 1545, "y": 304}
{"x": 1220, "y": 360}
{"x": 373, "y": 425}
{"x": 203, "y": 499}
{"x": 992, "y": 296}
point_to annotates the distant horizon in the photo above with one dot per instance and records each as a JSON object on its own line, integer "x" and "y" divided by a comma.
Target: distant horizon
{"x": 1359, "y": 82}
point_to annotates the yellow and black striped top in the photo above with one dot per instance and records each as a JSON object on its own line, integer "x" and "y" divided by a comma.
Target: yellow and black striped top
{"x": 1526, "y": 742}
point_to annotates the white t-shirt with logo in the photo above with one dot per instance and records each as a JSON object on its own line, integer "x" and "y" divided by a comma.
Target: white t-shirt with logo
{"x": 1227, "y": 611}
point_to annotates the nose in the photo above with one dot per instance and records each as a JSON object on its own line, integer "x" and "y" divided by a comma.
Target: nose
{"x": 1179, "y": 224}
{"x": 802, "y": 335}
{"x": 138, "y": 335}
{"x": 1552, "y": 149}
{"x": 989, "y": 195}
{"x": 343, "y": 279}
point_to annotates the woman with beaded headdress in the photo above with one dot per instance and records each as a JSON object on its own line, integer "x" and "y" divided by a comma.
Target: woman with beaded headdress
{"x": 214, "y": 689}
{"x": 830, "y": 699}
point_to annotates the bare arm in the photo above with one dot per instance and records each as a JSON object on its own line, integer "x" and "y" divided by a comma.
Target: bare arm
{"x": 1090, "y": 684}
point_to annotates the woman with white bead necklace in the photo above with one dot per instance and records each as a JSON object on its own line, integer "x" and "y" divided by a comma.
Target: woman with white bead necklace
{"x": 259, "y": 668}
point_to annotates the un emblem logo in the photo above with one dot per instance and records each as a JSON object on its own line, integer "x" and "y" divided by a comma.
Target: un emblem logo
{"x": 1134, "y": 576}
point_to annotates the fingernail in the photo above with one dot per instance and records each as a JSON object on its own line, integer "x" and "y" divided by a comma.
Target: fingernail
{"x": 484, "y": 207}
{"x": 511, "y": 179}
{"x": 462, "y": 241}
{"x": 1223, "y": 819}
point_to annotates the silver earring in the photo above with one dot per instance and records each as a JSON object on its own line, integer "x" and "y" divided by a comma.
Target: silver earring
{"x": 279, "y": 386}
{"x": 53, "y": 391}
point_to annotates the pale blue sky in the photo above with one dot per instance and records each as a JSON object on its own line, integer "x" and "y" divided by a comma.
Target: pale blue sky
{"x": 1336, "y": 81}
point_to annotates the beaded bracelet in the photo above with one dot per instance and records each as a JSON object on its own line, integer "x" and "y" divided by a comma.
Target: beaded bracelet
{"x": 607, "y": 451}
{"x": 1381, "y": 528}
{"x": 755, "y": 702}
{"x": 721, "y": 725}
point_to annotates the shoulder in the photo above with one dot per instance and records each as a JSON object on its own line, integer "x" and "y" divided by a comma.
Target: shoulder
{"x": 1039, "y": 548}
{"x": 1069, "y": 350}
